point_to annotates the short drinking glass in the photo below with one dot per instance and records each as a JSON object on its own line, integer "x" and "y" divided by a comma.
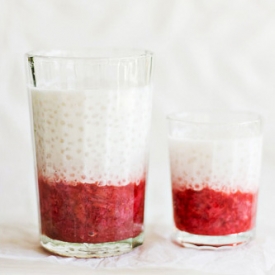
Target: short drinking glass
{"x": 215, "y": 161}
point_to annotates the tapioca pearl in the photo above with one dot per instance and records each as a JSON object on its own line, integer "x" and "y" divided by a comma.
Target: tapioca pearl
{"x": 70, "y": 125}
{"x": 68, "y": 157}
{"x": 101, "y": 183}
{"x": 92, "y": 179}
{"x": 62, "y": 122}
{"x": 52, "y": 130}
{"x": 102, "y": 108}
{"x": 198, "y": 172}
{"x": 189, "y": 185}
{"x": 72, "y": 175}
{"x": 94, "y": 116}
{"x": 48, "y": 156}
{"x": 63, "y": 104}
{"x": 90, "y": 145}
{"x": 73, "y": 168}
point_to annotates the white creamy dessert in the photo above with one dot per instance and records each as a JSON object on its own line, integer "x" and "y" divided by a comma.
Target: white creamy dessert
{"x": 92, "y": 136}
{"x": 222, "y": 164}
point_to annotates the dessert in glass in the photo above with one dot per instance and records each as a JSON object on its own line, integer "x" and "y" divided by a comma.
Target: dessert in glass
{"x": 91, "y": 113}
{"x": 215, "y": 160}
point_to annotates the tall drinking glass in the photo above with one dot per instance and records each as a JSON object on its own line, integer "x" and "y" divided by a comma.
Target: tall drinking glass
{"x": 91, "y": 114}
{"x": 215, "y": 161}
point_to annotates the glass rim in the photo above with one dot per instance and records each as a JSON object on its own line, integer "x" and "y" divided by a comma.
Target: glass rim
{"x": 96, "y": 53}
{"x": 241, "y": 117}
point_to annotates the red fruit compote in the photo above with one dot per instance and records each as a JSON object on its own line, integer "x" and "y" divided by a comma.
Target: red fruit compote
{"x": 79, "y": 212}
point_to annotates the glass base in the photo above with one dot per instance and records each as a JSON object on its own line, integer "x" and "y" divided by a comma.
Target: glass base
{"x": 212, "y": 242}
{"x": 88, "y": 250}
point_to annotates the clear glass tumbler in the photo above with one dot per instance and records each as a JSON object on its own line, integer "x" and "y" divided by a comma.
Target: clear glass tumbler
{"x": 91, "y": 113}
{"x": 215, "y": 161}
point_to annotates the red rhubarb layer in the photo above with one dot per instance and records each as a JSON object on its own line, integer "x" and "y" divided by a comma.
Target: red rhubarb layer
{"x": 211, "y": 212}
{"x": 82, "y": 212}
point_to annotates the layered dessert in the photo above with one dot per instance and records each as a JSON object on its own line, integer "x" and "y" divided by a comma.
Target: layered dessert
{"x": 91, "y": 155}
{"x": 215, "y": 184}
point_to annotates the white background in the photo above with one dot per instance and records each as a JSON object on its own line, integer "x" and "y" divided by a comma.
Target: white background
{"x": 208, "y": 55}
